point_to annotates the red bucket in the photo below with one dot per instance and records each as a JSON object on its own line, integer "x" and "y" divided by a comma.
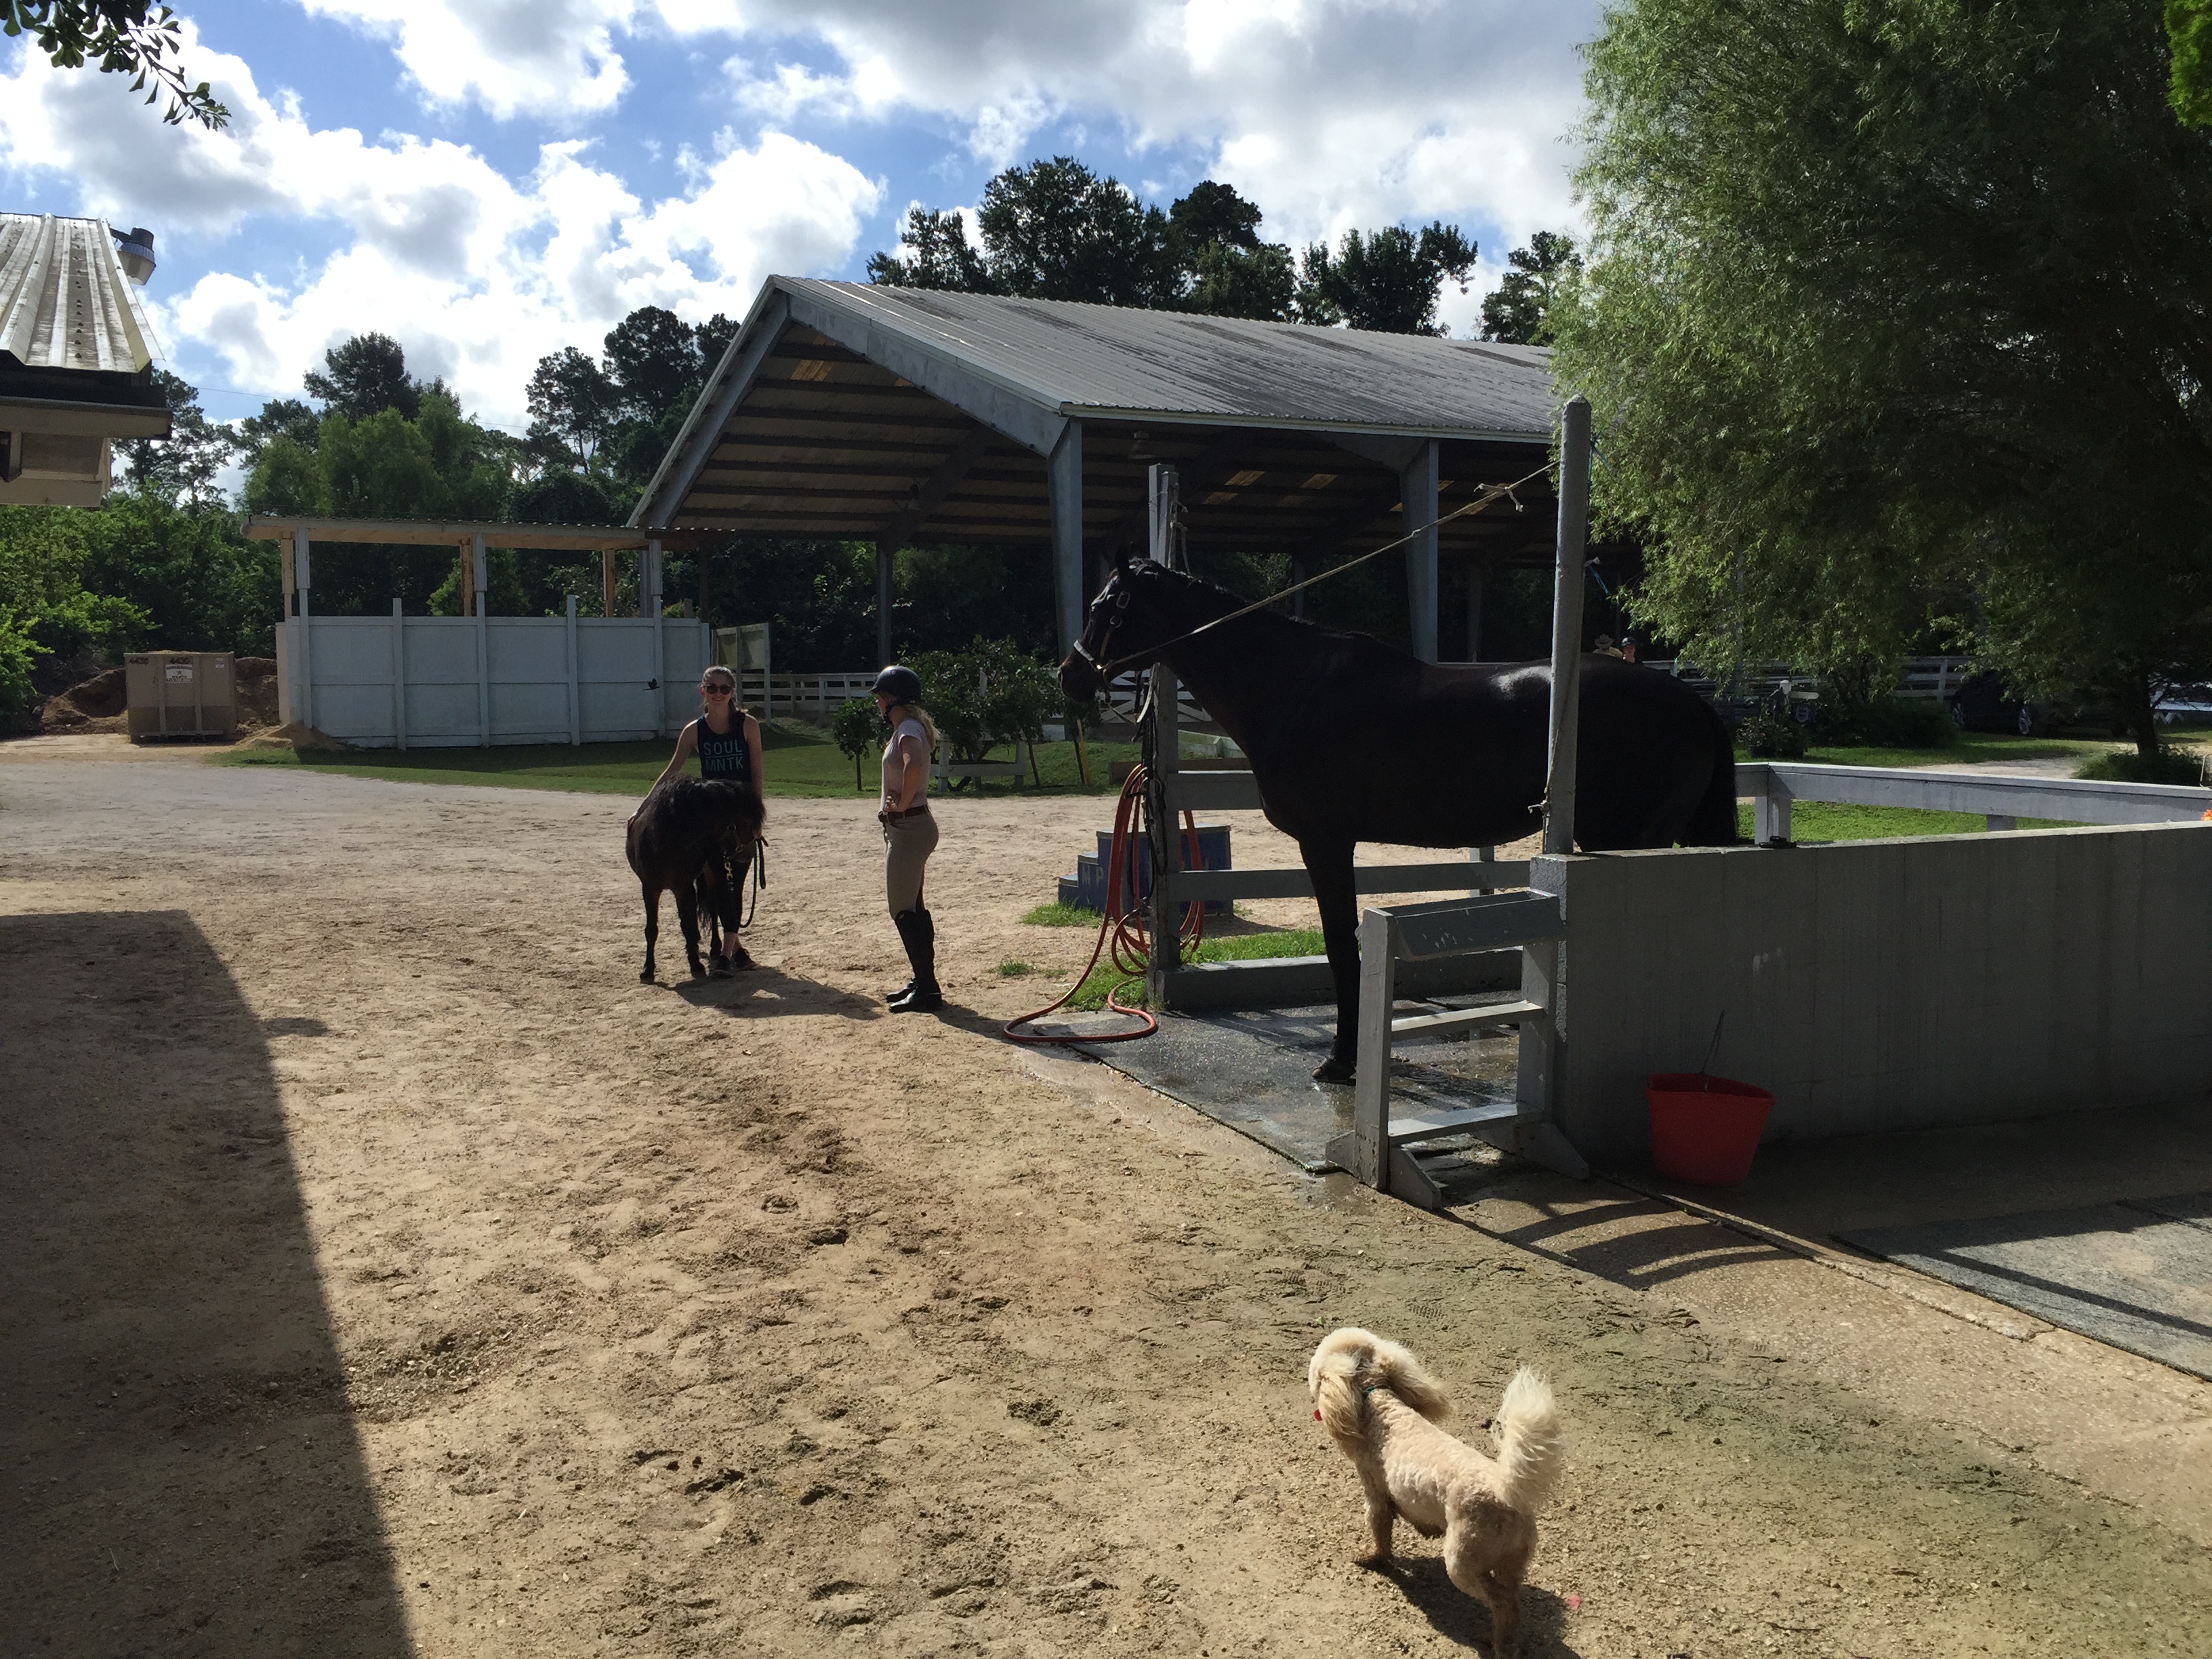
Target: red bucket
{"x": 1705, "y": 1128}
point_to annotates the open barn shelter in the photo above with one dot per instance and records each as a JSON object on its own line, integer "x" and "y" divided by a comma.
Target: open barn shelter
{"x": 904, "y": 417}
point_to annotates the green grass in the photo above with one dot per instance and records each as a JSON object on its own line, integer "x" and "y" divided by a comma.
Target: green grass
{"x": 1061, "y": 916}
{"x": 1971, "y": 747}
{"x": 1814, "y": 821}
{"x": 799, "y": 761}
{"x": 1011, "y": 969}
{"x": 1256, "y": 946}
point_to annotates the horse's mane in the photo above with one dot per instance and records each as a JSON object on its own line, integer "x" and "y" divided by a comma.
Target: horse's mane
{"x": 1221, "y": 601}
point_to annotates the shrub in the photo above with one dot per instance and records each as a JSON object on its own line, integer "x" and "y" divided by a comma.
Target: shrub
{"x": 17, "y": 653}
{"x": 991, "y": 692}
{"x": 856, "y": 728}
{"x": 1769, "y": 737}
{"x": 1885, "y": 723}
{"x": 2127, "y": 766}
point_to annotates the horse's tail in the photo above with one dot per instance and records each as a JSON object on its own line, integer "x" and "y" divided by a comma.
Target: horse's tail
{"x": 1713, "y": 823}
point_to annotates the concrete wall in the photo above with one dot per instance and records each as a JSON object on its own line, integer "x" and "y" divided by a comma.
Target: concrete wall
{"x": 1890, "y": 984}
{"x": 446, "y": 681}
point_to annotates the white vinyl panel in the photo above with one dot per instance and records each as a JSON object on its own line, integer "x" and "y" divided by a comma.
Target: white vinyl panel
{"x": 438, "y": 714}
{"x": 539, "y": 709}
{"x": 623, "y": 710}
{"x": 352, "y": 651}
{"x": 441, "y": 651}
{"x": 614, "y": 649}
{"x": 528, "y": 650}
{"x": 355, "y": 712}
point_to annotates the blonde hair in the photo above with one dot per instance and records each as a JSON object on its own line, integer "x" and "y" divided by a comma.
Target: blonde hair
{"x": 915, "y": 711}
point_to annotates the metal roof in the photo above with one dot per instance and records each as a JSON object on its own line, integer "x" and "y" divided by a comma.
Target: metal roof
{"x": 64, "y": 302}
{"x": 903, "y": 416}
{"x": 1109, "y": 359}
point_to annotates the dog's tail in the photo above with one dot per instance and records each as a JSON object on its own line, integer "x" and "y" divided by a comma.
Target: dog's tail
{"x": 1530, "y": 1446}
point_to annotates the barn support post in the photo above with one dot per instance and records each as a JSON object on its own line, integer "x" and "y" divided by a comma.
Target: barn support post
{"x": 1417, "y": 497}
{"x": 303, "y": 694}
{"x": 606, "y": 581}
{"x": 481, "y": 566}
{"x": 649, "y": 605}
{"x": 884, "y": 552}
{"x": 1164, "y": 761}
{"x": 1064, "y": 484}
{"x": 1567, "y": 583}
{"x": 399, "y": 674}
{"x": 465, "y": 562}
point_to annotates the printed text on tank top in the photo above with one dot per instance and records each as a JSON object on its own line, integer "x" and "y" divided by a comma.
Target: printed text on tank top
{"x": 724, "y": 754}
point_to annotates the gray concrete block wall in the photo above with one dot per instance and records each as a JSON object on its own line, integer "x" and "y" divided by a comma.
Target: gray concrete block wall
{"x": 1891, "y": 984}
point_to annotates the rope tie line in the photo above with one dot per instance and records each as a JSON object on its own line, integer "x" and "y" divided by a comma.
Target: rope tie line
{"x": 1491, "y": 493}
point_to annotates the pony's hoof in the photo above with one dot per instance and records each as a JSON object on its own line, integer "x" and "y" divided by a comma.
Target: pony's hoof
{"x": 698, "y": 971}
{"x": 646, "y": 977}
{"x": 1335, "y": 1069}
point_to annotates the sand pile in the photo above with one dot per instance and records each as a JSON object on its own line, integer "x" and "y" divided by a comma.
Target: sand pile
{"x": 92, "y": 705}
{"x": 297, "y": 735}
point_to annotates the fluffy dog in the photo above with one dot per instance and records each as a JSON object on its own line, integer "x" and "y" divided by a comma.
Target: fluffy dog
{"x": 1381, "y": 1410}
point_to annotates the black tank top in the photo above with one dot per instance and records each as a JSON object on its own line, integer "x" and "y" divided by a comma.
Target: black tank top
{"x": 723, "y": 755}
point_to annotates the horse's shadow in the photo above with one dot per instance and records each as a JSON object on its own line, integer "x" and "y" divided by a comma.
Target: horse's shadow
{"x": 1459, "y": 1618}
{"x": 765, "y": 993}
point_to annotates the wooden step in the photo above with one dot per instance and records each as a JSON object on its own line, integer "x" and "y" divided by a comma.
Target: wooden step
{"x": 1465, "y": 1019}
{"x": 1434, "y": 1126}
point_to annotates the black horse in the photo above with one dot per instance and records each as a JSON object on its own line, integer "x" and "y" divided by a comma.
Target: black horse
{"x": 694, "y": 837}
{"x": 1351, "y": 741}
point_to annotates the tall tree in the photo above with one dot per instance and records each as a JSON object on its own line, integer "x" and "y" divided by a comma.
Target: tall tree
{"x": 368, "y": 375}
{"x": 653, "y": 361}
{"x": 1389, "y": 281}
{"x": 1226, "y": 270}
{"x": 184, "y": 468}
{"x": 1896, "y": 312}
{"x": 124, "y": 36}
{"x": 573, "y": 403}
{"x": 1514, "y": 313}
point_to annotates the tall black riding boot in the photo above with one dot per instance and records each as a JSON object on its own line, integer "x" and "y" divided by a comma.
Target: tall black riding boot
{"x": 918, "y": 933}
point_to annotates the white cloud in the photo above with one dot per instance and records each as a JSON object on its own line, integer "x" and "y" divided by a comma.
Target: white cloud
{"x": 475, "y": 274}
{"x": 542, "y": 56}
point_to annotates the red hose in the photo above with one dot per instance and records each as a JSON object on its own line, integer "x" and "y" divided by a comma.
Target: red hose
{"x": 1124, "y": 926}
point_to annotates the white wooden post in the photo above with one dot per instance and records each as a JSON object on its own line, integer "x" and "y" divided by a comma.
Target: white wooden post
{"x": 303, "y": 694}
{"x": 649, "y": 605}
{"x": 399, "y": 674}
{"x": 1370, "y": 1089}
{"x": 1567, "y": 583}
{"x": 1417, "y": 499}
{"x": 1482, "y": 855}
{"x": 482, "y": 575}
{"x": 1167, "y": 753}
{"x": 575, "y": 713}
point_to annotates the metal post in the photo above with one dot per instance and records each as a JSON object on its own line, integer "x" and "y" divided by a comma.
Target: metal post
{"x": 1166, "y": 848}
{"x": 1417, "y": 505}
{"x": 606, "y": 581}
{"x": 1064, "y": 484}
{"x": 399, "y": 674}
{"x": 884, "y": 552}
{"x": 482, "y": 566}
{"x": 1567, "y": 624}
{"x": 303, "y": 700}
{"x": 1370, "y": 1089}
{"x": 575, "y": 713}
{"x": 648, "y": 605}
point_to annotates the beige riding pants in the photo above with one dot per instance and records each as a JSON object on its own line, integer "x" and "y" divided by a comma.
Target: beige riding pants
{"x": 907, "y": 843}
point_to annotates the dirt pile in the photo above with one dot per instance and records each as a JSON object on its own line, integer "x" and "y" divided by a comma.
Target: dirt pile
{"x": 92, "y": 705}
{"x": 296, "y": 735}
{"x": 255, "y": 683}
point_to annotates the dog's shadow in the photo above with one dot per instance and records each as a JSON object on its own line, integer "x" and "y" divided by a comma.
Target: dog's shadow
{"x": 1458, "y": 1617}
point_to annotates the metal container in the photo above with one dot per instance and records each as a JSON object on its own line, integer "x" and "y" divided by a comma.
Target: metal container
{"x": 180, "y": 693}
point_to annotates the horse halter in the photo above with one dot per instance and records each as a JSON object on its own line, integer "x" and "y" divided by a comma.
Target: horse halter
{"x": 1101, "y": 664}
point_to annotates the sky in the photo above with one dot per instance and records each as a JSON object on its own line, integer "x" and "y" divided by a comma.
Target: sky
{"x": 490, "y": 180}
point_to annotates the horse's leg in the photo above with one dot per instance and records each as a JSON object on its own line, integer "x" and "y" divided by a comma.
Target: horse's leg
{"x": 1329, "y": 865}
{"x": 651, "y": 928}
{"x": 687, "y": 913}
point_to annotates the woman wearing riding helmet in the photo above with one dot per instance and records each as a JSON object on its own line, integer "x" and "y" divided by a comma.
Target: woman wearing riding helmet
{"x": 728, "y": 742}
{"x": 909, "y": 832}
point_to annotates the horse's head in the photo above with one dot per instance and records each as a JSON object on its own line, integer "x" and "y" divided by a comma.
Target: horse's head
{"x": 1127, "y": 623}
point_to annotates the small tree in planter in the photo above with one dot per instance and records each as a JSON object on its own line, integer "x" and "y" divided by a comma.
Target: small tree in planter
{"x": 855, "y": 728}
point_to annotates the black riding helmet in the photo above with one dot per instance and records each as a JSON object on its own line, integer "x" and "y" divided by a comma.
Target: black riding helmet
{"x": 900, "y": 684}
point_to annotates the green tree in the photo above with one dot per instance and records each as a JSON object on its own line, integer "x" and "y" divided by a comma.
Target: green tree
{"x": 183, "y": 468}
{"x": 1227, "y": 271}
{"x": 856, "y": 728}
{"x": 280, "y": 418}
{"x": 1387, "y": 281}
{"x": 368, "y": 375}
{"x": 2189, "y": 39}
{"x": 1895, "y": 318}
{"x": 573, "y": 405}
{"x": 124, "y": 36}
{"x": 1515, "y": 311}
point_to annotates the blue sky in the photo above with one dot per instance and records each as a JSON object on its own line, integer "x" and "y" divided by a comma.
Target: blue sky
{"x": 490, "y": 179}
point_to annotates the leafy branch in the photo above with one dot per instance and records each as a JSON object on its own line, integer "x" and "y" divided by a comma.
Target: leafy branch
{"x": 124, "y": 36}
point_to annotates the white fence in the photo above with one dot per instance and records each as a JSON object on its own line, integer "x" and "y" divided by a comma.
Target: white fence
{"x": 1938, "y": 677}
{"x": 456, "y": 682}
{"x": 814, "y": 695}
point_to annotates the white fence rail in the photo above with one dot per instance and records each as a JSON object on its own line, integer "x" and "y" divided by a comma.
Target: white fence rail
{"x": 813, "y": 696}
{"x": 459, "y": 682}
{"x": 1938, "y": 677}
{"x": 1773, "y": 786}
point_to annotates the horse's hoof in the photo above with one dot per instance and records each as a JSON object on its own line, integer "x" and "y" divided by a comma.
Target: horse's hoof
{"x": 698, "y": 971}
{"x": 1335, "y": 1069}
{"x": 646, "y": 978}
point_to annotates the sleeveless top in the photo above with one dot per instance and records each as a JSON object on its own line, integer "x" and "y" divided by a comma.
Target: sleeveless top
{"x": 723, "y": 755}
{"x": 890, "y": 751}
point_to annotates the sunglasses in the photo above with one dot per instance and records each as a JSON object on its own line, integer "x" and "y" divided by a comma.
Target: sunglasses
{"x": 718, "y": 690}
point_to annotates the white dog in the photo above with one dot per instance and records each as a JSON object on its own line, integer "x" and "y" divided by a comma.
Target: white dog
{"x": 1382, "y": 1409}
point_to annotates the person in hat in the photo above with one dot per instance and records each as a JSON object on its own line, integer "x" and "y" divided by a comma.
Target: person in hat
{"x": 728, "y": 741}
{"x": 909, "y": 832}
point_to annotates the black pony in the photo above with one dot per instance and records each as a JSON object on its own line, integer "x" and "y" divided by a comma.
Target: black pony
{"x": 694, "y": 837}
{"x": 1351, "y": 741}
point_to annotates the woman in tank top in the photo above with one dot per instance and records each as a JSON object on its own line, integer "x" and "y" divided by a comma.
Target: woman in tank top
{"x": 727, "y": 740}
{"x": 909, "y": 832}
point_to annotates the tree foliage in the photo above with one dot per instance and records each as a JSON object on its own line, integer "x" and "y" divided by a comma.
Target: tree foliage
{"x": 123, "y": 37}
{"x": 1895, "y": 320}
{"x": 1517, "y": 311}
{"x": 367, "y": 375}
{"x": 185, "y": 468}
{"x": 2189, "y": 41}
{"x": 992, "y": 691}
{"x": 1056, "y": 230}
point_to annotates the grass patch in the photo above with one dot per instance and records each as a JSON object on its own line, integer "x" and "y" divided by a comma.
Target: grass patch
{"x": 1011, "y": 968}
{"x": 2125, "y": 766}
{"x": 1815, "y": 821}
{"x": 800, "y": 761}
{"x": 1061, "y": 916}
{"x": 1236, "y": 947}
{"x": 1971, "y": 746}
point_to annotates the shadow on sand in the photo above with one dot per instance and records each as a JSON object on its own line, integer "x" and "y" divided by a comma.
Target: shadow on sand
{"x": 185, "y": 1473}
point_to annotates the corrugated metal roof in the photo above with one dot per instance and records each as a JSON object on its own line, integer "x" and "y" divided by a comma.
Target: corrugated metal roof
{"x": 64, "y": 302}
{"x": 1104, "y": 360}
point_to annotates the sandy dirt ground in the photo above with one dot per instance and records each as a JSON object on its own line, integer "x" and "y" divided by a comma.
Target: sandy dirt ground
{"x": 387, "y": 1272}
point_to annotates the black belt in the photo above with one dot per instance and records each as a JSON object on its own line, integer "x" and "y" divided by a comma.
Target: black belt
{"x": 908, "y": 813}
